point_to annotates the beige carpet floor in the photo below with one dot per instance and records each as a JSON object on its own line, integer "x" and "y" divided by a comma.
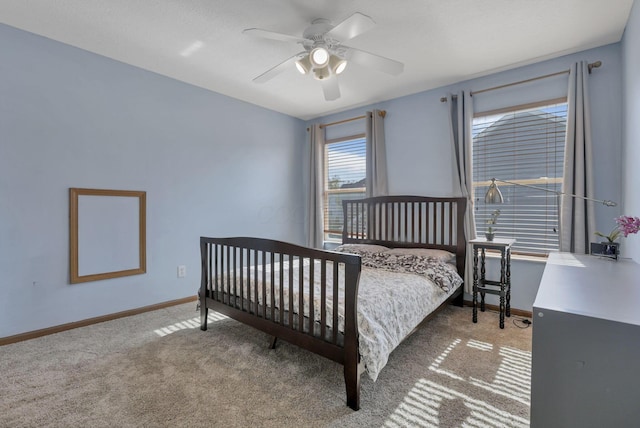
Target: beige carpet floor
{"x": 159, "y": 369}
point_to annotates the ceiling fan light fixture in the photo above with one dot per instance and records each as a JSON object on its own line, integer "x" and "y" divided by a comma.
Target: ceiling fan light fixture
{"x": 321, "y": 73}
{"x": 337, "y": 64}
{"x": 319, "y": 57}
{"x": 303, "y": 64}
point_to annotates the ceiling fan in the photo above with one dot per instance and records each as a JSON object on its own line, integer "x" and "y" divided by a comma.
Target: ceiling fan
{"x": 324, "y": 55}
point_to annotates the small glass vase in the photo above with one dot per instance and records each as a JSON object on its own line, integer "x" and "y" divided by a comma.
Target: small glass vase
{"x": 489, "y": 236}
{"x": 611, "y": 249}
{"x": 605, "y": 249}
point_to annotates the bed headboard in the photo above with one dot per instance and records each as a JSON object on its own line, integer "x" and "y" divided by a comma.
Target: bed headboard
{"x": 407, "y": 221}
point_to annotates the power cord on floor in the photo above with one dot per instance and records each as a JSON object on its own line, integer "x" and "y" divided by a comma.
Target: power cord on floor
{"x": 522, "y": 322}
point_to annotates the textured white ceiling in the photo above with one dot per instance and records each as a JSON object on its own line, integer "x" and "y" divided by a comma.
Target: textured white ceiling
{"x": 439, "y": 41}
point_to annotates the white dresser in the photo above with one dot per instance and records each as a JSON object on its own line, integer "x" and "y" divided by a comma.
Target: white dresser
{"x": 586, "y": 344}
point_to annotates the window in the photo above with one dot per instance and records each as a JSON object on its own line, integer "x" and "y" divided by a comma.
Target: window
{"x": 524, "y": 145}
{"x": 345, "y": 174}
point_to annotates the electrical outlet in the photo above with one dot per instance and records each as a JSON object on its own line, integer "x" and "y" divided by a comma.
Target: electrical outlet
{"x": 182, "y": 271}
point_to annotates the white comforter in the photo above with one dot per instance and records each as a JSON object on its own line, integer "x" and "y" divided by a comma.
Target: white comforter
{"x": 390, "y": 304}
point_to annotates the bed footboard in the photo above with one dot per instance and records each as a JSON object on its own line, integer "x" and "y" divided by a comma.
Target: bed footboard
{"x": 288, "y": 291}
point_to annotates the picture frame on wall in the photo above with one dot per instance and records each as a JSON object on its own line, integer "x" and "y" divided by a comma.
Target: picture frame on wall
{"x": 107, "y": 234}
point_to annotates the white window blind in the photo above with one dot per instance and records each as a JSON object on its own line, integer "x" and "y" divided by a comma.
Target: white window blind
{"x": 524, "y": 145}
{"x": 345, "y": 173}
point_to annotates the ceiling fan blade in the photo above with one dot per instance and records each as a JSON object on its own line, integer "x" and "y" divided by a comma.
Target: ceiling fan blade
{"x": 271, "y": 35}
{"x": 351, "y": 27}
{"x": 377, "y": 62}
{"x": 274, "y": 71}
{"x": 331, "y": 88}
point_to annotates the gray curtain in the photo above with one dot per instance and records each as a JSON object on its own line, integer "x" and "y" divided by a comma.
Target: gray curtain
{"x": 577, "y": 219}
{"x": 315, "y": 231}
{"x": 460, "y": 119}
{"x": 376, "y": 155}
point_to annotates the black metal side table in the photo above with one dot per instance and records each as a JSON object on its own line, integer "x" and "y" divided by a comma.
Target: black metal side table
{"x": 482, "y": 285}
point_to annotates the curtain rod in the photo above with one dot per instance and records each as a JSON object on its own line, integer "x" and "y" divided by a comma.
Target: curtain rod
{"x": 590, "y": 66}
{"x": 381, "y": 113}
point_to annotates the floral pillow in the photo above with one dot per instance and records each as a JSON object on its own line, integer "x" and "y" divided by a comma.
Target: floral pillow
{"x": 441, "y": 255}
{"x": 442, "y": 274}
{"x": 361, "y": 249}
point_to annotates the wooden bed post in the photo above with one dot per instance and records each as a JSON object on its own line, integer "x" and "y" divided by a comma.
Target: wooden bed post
{"x": 202, "y": 294}
{"x": 351, "y": 349}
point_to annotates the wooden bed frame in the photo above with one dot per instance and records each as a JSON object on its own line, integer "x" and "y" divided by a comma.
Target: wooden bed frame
{"x": 236, "y": 271}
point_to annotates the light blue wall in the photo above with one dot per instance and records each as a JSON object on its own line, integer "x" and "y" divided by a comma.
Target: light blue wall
{"x": 419, "y": 149}
{"x": 631, "y": 139}
{"x": 210, "y": 165}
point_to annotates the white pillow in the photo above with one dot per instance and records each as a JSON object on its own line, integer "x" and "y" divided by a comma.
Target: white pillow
{"x": 361, "y": 248}
{"x": 442, "y": 255}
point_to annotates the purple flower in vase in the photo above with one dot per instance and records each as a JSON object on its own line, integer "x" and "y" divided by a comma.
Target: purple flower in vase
{"x": 624, "y": 224}
{"x": 628, "y": 225}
